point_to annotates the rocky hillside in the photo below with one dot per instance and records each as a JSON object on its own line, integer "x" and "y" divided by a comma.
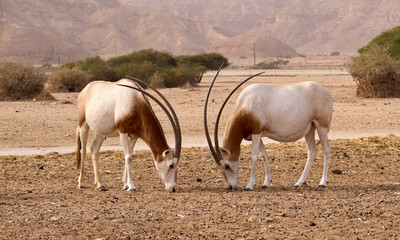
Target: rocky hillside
{"x": 67, "y": 30}
{"x": 310, "y": 26}
{"x": 62, "y": 31}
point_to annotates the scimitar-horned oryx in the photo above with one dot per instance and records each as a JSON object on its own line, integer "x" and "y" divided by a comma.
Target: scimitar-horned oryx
{"x": 112, "y": 109}
{"x": 284, "y": 114}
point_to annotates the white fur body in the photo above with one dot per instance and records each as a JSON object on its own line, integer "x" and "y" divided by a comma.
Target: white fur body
{"x": 111, "y": 111}
{"x": 284, "y": 114}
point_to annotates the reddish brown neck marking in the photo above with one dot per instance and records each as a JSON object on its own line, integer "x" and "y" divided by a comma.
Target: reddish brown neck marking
{"x": 143, "y": 123}
{"x": 241, "y": 125}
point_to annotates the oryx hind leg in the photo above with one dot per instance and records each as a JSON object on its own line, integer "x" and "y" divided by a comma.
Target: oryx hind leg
{"x": 312, "y": 153}
{"x": 268, "y": 178}
{"x": 83, "y": 132}
{"x": 94, "y": 150}
{"x": 323, "y": 137}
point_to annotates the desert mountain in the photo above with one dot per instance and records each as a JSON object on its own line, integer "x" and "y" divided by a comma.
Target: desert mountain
{"x": 310, "y": 26}
{"x": 62, "y": 31}
{"x": 68, "y": 30}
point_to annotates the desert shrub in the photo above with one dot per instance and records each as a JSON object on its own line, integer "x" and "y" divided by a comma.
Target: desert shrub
{"x": 156, "y": 81}
{"x": 211, "y": 61}
{"x": 20, "y": 81}
{"x": 142, "y": 70}
{"x": 141, "y": 64}
{"x": 271, "y": 64}
{"x": 335, "y": 54}
{"x": 376, "y": 70}
{"x": 68, "y": 80}
{"x": 376, "y": 73}
{"x": 149, "y": 65}
{"x": 173, "y": 77}
{"x": 98, "y": 69}
{"x": 390, "y": 40}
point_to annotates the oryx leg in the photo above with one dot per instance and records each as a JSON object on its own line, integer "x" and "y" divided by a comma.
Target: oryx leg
{"x": 268, "y": 178}
{"x": 312, "y": 153}
{"x": 94, "y": 150}
{"x": 255, "y": 146}
{"x": 323, "y": 137}
{"x": 83, "y": 134}
{"x": 128, "y": 183}
{"x": 132, "y": 142}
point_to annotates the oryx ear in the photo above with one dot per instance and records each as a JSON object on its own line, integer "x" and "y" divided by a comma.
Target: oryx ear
{"x": 168, "y": 153}
{"x": 225, "y": 152}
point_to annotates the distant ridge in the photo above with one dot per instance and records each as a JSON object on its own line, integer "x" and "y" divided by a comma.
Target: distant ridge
{"x": 61, "y": 31}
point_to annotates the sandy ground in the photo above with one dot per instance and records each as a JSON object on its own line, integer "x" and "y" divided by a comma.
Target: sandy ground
{"x": 39, "y": 199}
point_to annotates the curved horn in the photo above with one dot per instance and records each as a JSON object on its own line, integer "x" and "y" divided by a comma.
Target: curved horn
{"x": 216, "y": 157}
{"x": 222, "y": 108}
{"x": 176, "y": 126}
{"x": 155, "y": 99}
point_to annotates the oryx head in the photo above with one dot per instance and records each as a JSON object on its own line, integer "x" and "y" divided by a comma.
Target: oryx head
{"x": 228, "y": 164}
{"x": 167, "y": 162}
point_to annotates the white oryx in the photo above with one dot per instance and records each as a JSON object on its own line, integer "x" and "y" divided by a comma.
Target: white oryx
{"x": 111, "y": 109}
{"x": 284, "y": 114}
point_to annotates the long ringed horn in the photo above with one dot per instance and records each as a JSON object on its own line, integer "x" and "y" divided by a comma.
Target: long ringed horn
{"x": 176, "y": 126}
{"x": 156, "y": 100}
{"x": 222, "y": 108}
{"x": 213, "y": 152}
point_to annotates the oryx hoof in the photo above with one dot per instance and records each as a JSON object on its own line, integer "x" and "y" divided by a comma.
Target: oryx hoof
{"x": 125, "y": 188}
{"x": 131, "y": 189}
{"x": 248, "y": 189}
{"x": 264, "y": 186}
{"x": 102, "y": 188}
{"x": 322, "y": 186}
{"x": 81, "y": 187}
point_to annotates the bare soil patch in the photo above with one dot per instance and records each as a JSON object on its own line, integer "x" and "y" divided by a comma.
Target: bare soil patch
{"x": 39, "y": 199}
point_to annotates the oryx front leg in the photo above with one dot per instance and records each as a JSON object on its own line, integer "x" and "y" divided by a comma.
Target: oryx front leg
{"x": 95, "y": 149}
{"x": 127, "y": 178}
{"x": 268, "y": 178}
{"x": 132, "y": 142}
{"x": 312, "y": 153}
{"x": 255, "y": 145}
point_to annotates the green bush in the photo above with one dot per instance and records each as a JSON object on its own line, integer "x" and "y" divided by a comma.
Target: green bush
{"x": 376, "y": 73}
{"x": 143, "y": 70}
{"x": 98, "y": 69}
{"x": 150, "y": 65}
{"x": 390, "y": 40}
{"x": 20, "y": 81}
{"x": 211, "y": 61}
{"x": 68, "y": 80}
{"x": 271, "y": 64}
{"x": 376, "y": 70}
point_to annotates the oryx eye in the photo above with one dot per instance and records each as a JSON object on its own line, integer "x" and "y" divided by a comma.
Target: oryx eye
{"x": 171, "y": 166}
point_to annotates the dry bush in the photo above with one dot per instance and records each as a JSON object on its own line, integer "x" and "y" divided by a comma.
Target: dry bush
{"x": 376, "y": 73}
{"x": 68, "y": 80}
{"x": 21, "y": 81}
{"x": 157, "y": 81}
